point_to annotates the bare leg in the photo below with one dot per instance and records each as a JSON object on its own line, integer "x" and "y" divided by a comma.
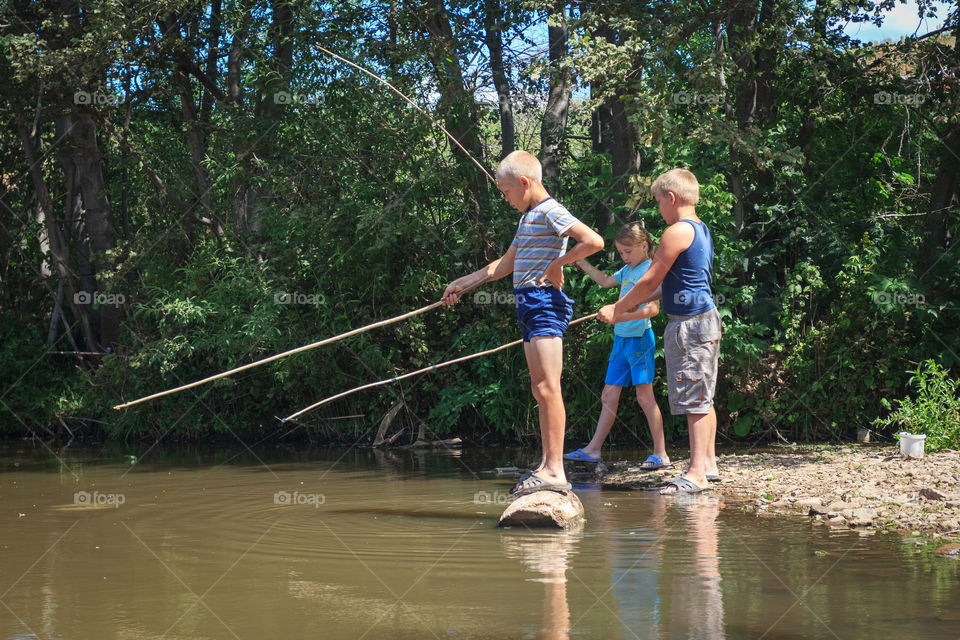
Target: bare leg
{"x": 654, "y": 420}
{"x": 610, "y": 399}
{"x": 545, "y": 360}
{"x": 702, "y": 427}
{"x": 711, "y": 453}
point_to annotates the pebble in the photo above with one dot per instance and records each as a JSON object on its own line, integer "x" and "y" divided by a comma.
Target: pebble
{"x": 863, "y": 483}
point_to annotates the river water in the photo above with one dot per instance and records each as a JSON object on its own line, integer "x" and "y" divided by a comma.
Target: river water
{"x": 348, "y": 543}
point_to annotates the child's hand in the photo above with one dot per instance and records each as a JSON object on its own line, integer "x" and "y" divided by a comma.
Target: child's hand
{"x": 607, "y": 314}
{"x": 452, "y": 293}
{"x": 554, "y": 274}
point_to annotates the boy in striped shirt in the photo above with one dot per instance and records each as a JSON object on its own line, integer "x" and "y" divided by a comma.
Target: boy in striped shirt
{"x": 536, "y": 258}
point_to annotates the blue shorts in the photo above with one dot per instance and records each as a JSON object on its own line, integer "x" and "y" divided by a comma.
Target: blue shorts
{"x": 631, "y": 360}
{"x": 542, "y": 311}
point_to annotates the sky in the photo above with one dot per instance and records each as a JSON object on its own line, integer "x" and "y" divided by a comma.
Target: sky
{"x": 900, "y": 21}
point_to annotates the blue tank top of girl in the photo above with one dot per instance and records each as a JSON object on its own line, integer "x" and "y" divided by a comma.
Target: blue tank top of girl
{"x": 686, "y": 287}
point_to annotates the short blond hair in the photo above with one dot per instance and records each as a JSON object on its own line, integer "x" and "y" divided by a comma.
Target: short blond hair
{"x": 681, "y": 182}
{"x": 520, "y": 163}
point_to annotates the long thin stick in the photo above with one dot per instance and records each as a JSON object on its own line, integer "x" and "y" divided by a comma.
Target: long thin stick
{"x": 418, "y": 372}
{"x": 412, "y": 103}
{"x": 313, "y": 345}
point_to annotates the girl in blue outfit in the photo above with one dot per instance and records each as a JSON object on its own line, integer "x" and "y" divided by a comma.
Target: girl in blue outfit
{"x": 631, "y": 359}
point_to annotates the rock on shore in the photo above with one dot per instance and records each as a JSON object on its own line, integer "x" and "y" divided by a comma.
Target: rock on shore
{"x": 850, "y": 486}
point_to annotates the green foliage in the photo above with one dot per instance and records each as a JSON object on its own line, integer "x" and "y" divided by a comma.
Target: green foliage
{"x": 934, "y": 411}
{"x": 827, "y": 274}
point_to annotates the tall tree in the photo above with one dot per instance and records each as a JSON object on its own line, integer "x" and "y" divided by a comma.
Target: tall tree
{"x": 456, "y": 104}
{"x": 554, "y": 123}
{"x": 493, "y": 38}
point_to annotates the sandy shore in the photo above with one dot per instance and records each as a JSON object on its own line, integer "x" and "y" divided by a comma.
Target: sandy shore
{"x": 847, "y": 486}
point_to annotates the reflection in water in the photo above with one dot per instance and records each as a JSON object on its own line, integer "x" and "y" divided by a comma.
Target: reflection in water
{"x": 636, "y": 574}
{"x": 696, "y": 599}
{"x": 665, "y": 574}
{"x": 401, "y": 548}
{"x": 547, "y": 554}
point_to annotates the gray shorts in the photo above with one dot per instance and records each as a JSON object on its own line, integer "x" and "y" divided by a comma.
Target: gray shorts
{"x": 691, "y": 348}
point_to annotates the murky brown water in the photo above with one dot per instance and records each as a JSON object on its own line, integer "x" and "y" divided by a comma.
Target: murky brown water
{"x": 361, "y": 544}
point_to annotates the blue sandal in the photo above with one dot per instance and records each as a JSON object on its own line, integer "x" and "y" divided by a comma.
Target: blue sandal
{"x": 580, "y": 456}
{"x": 652, "y": 463}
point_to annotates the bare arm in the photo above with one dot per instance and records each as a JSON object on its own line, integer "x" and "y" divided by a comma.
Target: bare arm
{"x": 605, "y": 280}
{"x": 588, "y": 243}
{"x": 499, "y": 268}
{"x": 649, "y": 310}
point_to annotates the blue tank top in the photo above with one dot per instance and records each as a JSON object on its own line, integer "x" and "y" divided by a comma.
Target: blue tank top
{"x": 686, "y": 287}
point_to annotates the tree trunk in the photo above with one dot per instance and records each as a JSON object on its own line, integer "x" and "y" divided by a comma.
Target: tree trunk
{"x": 86, "y": 198}
{"x": 456, "y": 104}
{"x": 555, "y": 114}
{"x": 613, "y": 134}
{"x": 59, "y": 249}
{"x": 944, "y": 192}
{"x": 494, "y": 41}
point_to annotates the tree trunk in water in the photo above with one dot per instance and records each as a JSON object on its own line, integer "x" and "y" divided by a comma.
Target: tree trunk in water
{"x": 494, "y": 41}
{"x": 555, "y": 114}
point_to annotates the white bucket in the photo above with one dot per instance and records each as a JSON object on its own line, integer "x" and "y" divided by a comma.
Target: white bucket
{"x": 911, "y": 445}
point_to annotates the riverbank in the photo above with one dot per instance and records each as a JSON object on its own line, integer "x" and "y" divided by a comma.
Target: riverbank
{"x": 872, "y": 487}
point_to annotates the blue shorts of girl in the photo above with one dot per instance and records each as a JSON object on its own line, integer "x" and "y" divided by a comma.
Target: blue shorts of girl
{"x": 542, "y": 311}
{"x": 631, "y": 360}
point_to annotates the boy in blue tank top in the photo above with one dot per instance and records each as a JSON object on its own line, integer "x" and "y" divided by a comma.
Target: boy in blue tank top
{"x": 632, "y": 356}
{"x": 681, "y": 276}
{"x": 536, "y": 258}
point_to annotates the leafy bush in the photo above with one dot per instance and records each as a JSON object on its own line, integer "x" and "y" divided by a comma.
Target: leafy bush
{"x": 934, "y": 412}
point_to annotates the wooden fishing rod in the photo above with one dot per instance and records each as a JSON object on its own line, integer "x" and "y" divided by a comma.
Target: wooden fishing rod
{"x": 307, "y": 347}
{"x": 355, "y": 331}
{"x": 433, "y": 367}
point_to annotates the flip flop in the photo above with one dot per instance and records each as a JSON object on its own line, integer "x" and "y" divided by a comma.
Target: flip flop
{"x": 714, "y": 477}
{"x": 580, "y": 456}
{"x": 655, "y": 462}
{"x": 683, "y": 486}
{"x": 535, "y": 483}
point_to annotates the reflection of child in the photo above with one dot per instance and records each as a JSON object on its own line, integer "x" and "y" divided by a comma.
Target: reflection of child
{"x": 631, "y": 360}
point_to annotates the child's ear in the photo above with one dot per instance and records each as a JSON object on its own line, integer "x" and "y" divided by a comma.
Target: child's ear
{"x": 525, "y": 181}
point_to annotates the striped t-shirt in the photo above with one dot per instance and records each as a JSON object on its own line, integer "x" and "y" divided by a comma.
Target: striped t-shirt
{"x": 539, "y": 241}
